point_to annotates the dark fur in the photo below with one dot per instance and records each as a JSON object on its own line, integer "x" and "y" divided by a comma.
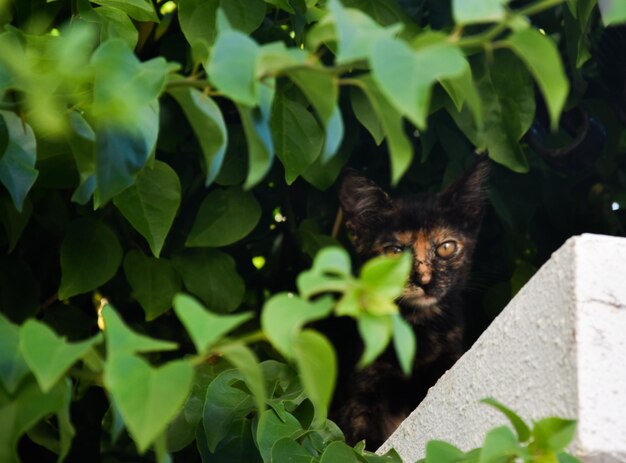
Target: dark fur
{"x": 372, "y": 402}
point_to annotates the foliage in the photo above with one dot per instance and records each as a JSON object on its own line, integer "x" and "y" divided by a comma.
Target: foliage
{"x": 545, "y": 442}
{"x": 174, "y": 159}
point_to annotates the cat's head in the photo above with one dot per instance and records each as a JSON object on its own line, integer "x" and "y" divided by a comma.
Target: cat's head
{"x": 439, "y": 229}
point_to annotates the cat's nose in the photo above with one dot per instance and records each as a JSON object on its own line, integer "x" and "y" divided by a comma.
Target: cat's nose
{"x": 424, "y": 278}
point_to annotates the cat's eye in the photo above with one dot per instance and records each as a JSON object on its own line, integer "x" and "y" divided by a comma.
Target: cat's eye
{"x": 393, "y": 249}
{"x": 446, "y": 249}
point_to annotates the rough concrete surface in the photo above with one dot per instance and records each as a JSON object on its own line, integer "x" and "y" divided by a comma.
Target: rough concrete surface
{"x": 557, "y": 349}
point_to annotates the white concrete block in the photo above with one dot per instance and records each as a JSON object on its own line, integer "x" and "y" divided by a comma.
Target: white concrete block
{"x": 557, "y": 349}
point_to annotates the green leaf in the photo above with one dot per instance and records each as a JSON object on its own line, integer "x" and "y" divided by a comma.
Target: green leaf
{"x": 204, "y": 375}
{"x": 256, "y": 127}
{"x": 122, "y": 153}
{"x": 339, "y": 452}
{"x": 500, "y": 444}
{"x": 232, "y": 67}
{"x": 323, "y": 174}
{"x": 197, "y": 21}
{"x": 147, "y": 398}
{"x": 122, "y": 341}
{"x": 21, "y": 412}
{"x": 553, "y": 434}
{"x": 542, "y": 58}
{"x": 245, "y": 15}
{"x": 150, "y": 205}
{"x": 320, "y": 88}
{"x": 238, "y": 446}
{"x": 508, "y": 101}
{"x": 48, "y": 355}
{"x": 376, "y": 333}
{"x": 141, "y": 10}
{"x": 13, "y": 221}
{"x": 208, "y": 124}
{"x": 400, "y": 149}
{"x": 317, "y": 364}
{"x": 282, "y": 4}
{"x": 242, "y": 358}
{"x": 478, "y": 11}
{"x": 333, "y": 260}
{"x": 211, "y": 275}
{"x": 205, "y": 328}
{"x": 154, "y": 282}
{"x": 521, "y": 428}
{"x": 386, "y": 276}
{"x": 298, "y": 138}
{"x": 404, "y": 343}
{"x": 271, "y": 429}
{"x": 283, "y": 317}
{"x": 226, "y": 216}
{"x": 287, "y": 449}
{"x": 356, "y": 32}
{"x": 17, "y": 161}
{"x": 13, "y": 367}
{"x": 366, "y": 115}
{"x": 613, "y": 12}
{"x": 334, "y": 135}
{"x": 563, "y": 457}
{"x": 116, "y": 24}
{"x": 224, "y": 405}
{"x": 82, "y": 144}
{"x": 406, "y": 76}
{"x": 442, "y": 452}
{"x": 90, "y": 256}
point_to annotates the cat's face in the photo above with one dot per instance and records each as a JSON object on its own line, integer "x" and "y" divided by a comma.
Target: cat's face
{"x": 439, "y": 230}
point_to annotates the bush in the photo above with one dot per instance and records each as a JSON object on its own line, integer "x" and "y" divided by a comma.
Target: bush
{"x": 137, "y": 157}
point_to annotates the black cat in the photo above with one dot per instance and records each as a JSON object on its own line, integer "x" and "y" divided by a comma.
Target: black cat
{"x": 440, "y": 231}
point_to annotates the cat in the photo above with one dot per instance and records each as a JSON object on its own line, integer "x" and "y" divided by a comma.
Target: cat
{"x": 440, "y": 231}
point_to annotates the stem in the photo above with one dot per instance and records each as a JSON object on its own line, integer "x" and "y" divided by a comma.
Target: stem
{"x": 349, "y": 81}
{"x": 201, "y": 84}
{"x": 255, "y": 336}
{"x": 337, "y": 224}
{"x": 478, "y": 40}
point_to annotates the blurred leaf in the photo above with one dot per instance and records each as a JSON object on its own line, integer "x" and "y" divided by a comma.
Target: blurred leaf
{"x": 553, "y": 434}
{"x": 211, "y": 275}
{"x": 122, "y": 341}
{"x": 237, "y": 446}
{"x": 150, "y": 205}
{"x": 245, "y": 15}
{"x": 442, "y": 452}
{"x": 82, "y": 139}
{"x": 148, "y": 398}
{"x": 333, "y": 260}
{"x": 386, "y": 276}
{"x": 544, "y": 62}
{"x": 376, "y": 333}
{"x": 154, "y": 282}
{"x": 317, "y": 364}
{"x": 13, "y": 367}
{"x": 116, "y": 24}
{"x": 404, "y": 343}
{"x": 367, "y": 116}
{"x": 282, "y": 4}
{"x": 225, "y": 217}
{"x": 197, "y": 21}
{"x": 48, "y": 355}
{"x": 17, "y": 161}
{"x": 21, "y": 412}
{"x": 563, "y": 457}
{"x": 478, "y": 11}
{"x": 334, "y": 136}
{"x": 232, "y": 67}
{"x": 297, "y": 136}
{"x": 612, "y": 11}
{"x": 208, "y": 124}
{"x": 500, "y": 445}
{"x": 522, "y": 430}
{"x": 283, "y": 317}
{"x": 241, "y": 357}
{"x": 272, "y": 428}
{"x": 320, "y": 88}
{"x": 205, "y": 328}
{"x": 90, "y": 256}
{"x": 141, "y": 10}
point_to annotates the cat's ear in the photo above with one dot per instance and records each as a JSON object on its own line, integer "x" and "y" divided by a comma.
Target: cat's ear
{"x": 362, "y": 201}
{"x": 467, "y": 195}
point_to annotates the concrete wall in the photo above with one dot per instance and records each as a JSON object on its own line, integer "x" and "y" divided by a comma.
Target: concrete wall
{"x": 557, "y": 349}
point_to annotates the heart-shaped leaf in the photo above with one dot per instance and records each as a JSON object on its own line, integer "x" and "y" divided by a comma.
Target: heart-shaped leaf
{"x": 48, "y": 355}
{"x": 13, "y": 367}
{"x": 147, "y": 398}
